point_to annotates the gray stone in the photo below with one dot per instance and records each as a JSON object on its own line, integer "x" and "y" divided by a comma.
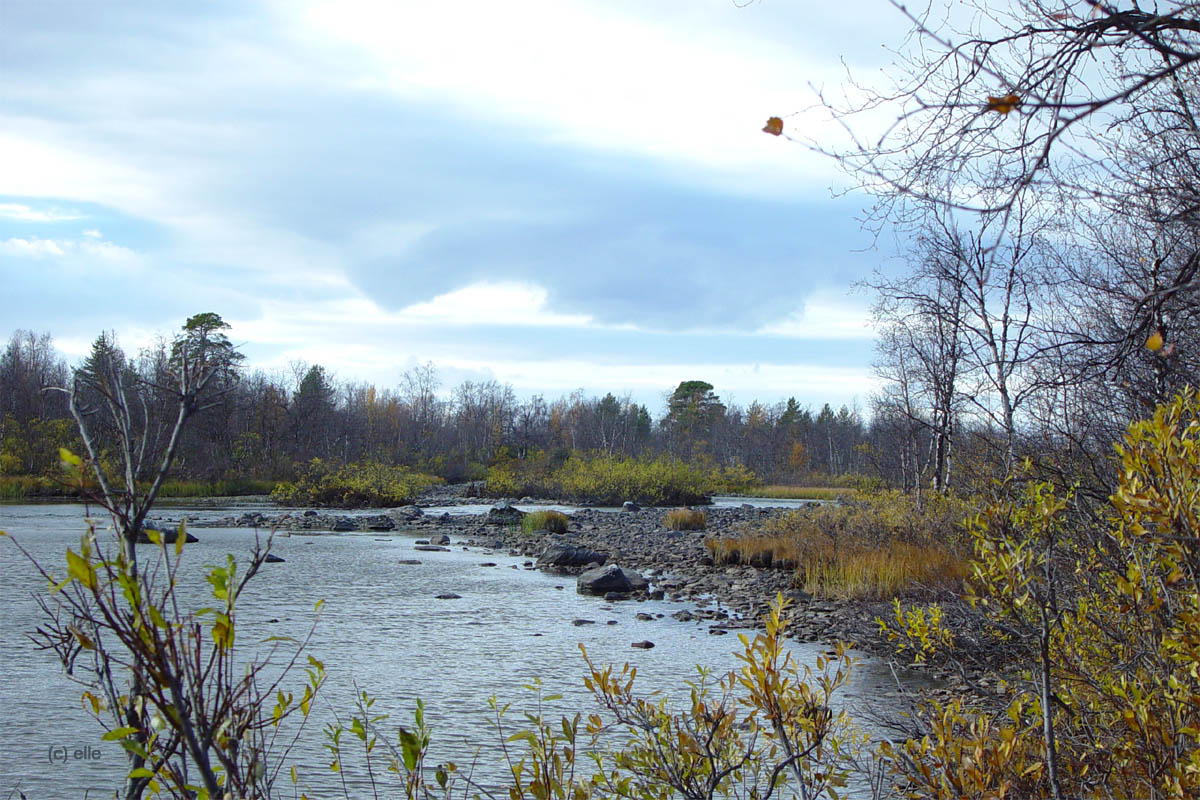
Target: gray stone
{"x": 629, "y": 505}
{"x": 560, "y": 556}
{"x": 504, "y": 514}
{"x": 440, "y": 538}
{"x": 643, "y": 645}
{"x": 602, "y": 580}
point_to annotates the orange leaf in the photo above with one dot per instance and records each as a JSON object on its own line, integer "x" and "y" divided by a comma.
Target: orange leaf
{"x": 1154, "y": 341}
{"x": 1003, "y": 105}
{"x": 774, "y": 126}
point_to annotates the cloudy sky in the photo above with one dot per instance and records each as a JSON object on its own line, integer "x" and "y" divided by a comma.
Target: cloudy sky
{"x": 557, "y": 194}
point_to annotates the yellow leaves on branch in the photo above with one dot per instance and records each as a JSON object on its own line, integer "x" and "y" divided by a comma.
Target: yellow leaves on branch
{"x": 1154, "y": 341}
{"x": 1003, "y": 105}
{"x": 774, "y": 126}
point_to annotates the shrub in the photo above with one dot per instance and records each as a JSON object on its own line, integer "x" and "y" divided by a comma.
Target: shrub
{"x": 365, "y": 485}
{"x": 553, "y": 521}
{"x": 805, "y": 492}
{"x": 611, "y": 480}
{"x": 683, "y": 519}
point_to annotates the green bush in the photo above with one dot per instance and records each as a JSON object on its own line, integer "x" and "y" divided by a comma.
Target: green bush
{"x": 361, "y": 485}
{"x": 553, "y": 521}
{"x": 611, "y": 480}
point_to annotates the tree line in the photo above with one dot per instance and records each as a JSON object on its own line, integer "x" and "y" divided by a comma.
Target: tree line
{"x": 268, "y": 426}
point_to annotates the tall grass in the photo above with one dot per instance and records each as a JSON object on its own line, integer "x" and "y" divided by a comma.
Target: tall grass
{"x": 683, "y": 519}
{"x": 21, "y": 487}
{"x": 229, "y": 487}
{"x": 875, "y": 547}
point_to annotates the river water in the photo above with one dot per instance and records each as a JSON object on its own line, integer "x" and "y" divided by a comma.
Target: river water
{"x": 380, "y": 628}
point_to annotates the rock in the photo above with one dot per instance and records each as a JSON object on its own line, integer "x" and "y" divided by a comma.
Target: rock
{"x": 407, "y": 513}
{"x": 273, "y": 559}
{"x": 342, "y": 524}
{"x": 615, "y": 597}
{"x": 642, "y": 616}
{"x": 449, "y": 596}
{"x": 578, "y": 622}
{"x": 440, "y": 538}
{"x": 488, "y": 564}
{"x": 504, "y": 514}
{"x": 603, "y": 580}
{"x": 379, "y": 522}
{"x": 409, "y": 562}
{"x": 169, "y": 535}
{"x": 564, "y": 556}
{"x": 310, "y": 513}
{"x": 431, "y": 548}
{"x": 683, "y": 615}
{"x": 629, "y": 505}
{"x": 637, "y": 582}
{"x": 643, "y": 645}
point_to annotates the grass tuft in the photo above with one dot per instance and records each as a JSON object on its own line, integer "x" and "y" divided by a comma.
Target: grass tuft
{"x": 683, "y": 519}
{"x": 552, "y": 521}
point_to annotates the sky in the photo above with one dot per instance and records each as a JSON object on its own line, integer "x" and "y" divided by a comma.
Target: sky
{"x": 555, "y": 194}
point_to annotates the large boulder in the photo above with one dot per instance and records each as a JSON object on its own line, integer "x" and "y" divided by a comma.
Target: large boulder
{"x": 565, "y": 556}
{"x": 602, "y": 580}
{"x": 505, "y": 514}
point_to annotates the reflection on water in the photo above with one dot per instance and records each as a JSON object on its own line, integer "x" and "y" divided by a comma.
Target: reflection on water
{"x": 381, "y": 628}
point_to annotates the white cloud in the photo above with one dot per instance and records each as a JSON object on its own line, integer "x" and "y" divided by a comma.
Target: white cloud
{"x": 35, "y": 247}
{"x": 825, "y": 315}
{"x": 485, "y": 303}
{"x": 93, "y": 233}
{"x": 26, "y": 213}
{"x": 685, "y": 87}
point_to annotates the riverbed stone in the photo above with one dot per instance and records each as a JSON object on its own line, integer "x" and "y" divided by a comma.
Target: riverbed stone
{"x": 602, "y": 580}
{"x": 560, "y": 555}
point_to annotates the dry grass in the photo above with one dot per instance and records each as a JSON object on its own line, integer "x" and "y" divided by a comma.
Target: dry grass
{"x": 683, "y": 519}
{"x": 877, "y": 547}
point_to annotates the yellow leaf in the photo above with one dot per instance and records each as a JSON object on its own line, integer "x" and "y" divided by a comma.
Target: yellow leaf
{"x": 774, "y": 126}
{"x": 1154, "y": 341}
{"x": 1003, "y": 105}
{"x": 69, "y": 458}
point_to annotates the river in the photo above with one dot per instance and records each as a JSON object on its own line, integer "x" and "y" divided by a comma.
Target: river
{"x": 380, "y": 628}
